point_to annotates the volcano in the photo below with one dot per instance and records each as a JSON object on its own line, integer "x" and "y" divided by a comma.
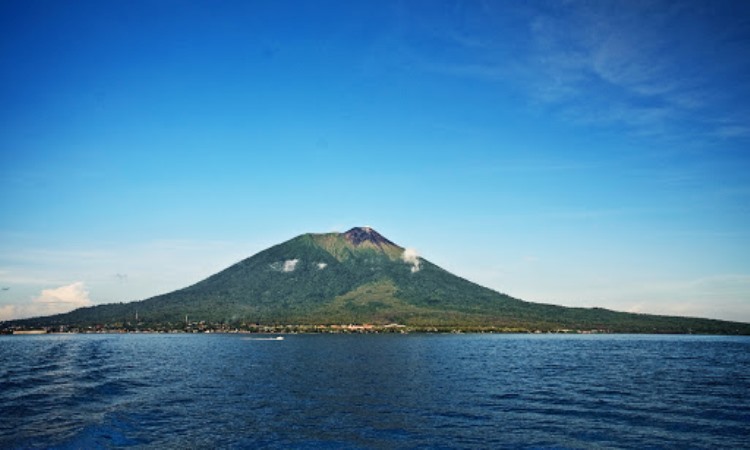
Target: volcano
{"x": 361, "y": 277}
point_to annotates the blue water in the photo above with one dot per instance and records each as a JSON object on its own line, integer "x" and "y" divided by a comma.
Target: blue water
{"x": 374, "y": 391}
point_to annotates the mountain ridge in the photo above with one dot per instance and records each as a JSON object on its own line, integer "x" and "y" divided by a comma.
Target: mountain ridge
{"x": 360, "y": 277}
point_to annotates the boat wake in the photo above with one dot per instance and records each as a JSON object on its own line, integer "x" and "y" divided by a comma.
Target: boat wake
{"x": 277, "y": 338}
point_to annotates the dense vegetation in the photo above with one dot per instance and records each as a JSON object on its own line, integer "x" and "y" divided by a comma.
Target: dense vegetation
{"x": 359, "y": 278}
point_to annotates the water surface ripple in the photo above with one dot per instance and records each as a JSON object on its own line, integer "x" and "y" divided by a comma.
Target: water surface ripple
{"x": 374, "y": 391}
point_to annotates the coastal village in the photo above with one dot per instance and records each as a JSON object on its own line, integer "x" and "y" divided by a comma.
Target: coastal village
{"x": 204, "y": 327}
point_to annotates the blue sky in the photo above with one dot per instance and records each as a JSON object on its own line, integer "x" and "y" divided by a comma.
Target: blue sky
{"x": 577, "y": 153}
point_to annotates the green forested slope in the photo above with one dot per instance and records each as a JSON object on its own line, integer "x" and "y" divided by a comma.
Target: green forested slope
{"x": 360, "y": 277}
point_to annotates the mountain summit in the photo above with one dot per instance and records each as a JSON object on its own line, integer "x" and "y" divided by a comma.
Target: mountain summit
{"x": 360, "y": 277}
{"x": 363, "y": 235}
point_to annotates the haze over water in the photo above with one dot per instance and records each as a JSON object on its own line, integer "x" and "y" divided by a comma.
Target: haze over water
{"x": 374, "y": 391}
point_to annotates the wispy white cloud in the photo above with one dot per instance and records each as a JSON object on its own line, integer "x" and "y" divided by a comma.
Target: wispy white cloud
{"x": 658, "y": 68}
{"x": 285, "y": 266}
{"x": 654, "y": 66}
{"x": 49, "y": 301}
{"x": 410, "y": 256}
{"x": 290, "y": 265}
{"x": 114, "y": 272}
{"x": 63, "y": 298}
{"x": 617, "y": 62}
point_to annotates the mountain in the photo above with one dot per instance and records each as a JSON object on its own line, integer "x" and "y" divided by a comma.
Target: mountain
{"x": 361, "y": 277}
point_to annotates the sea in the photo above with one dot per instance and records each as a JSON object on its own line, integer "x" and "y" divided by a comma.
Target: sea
{"x": 71, "y": 391}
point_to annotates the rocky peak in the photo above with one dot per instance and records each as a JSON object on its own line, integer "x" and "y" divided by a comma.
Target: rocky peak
{"x": 360, "y": 235}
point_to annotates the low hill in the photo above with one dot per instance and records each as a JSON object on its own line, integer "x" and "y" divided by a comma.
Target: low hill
{"x": 361, "y": 277}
